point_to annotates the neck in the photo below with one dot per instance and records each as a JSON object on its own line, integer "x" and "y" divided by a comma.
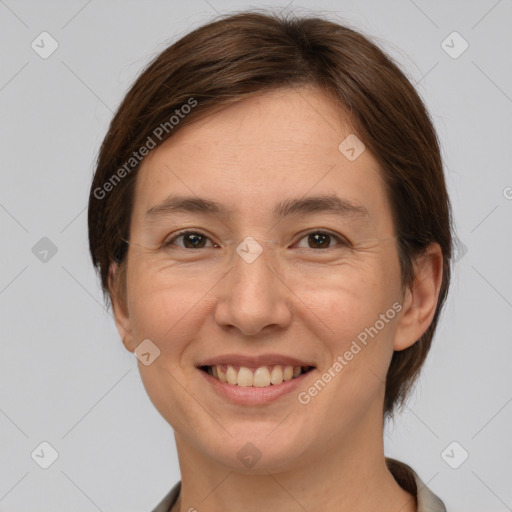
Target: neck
{"x": 348, "y": 474}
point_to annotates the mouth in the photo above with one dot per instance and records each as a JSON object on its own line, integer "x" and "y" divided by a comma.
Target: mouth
{"x": 257, "y": 377}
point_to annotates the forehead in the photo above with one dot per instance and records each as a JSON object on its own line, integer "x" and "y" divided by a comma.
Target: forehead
{"x": 259, "y": 151}
{"x": 267, "y": 126}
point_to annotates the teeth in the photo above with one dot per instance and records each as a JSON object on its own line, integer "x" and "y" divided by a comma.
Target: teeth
{"x": 276, "y": 377}
{"x": 221, "y": 375}
{"x": 288, "y": 373}
{"x": 244, "y": 377}
{"x": 231, "y": 375}
{"x": 261, "y": 377}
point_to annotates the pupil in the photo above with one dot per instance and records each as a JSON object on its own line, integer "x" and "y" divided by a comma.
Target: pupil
{"x": 321, "y": 239}
{"x": 195, "y": 240}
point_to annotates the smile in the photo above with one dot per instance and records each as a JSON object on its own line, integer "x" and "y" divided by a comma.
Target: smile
{"x": 260, "y": 377}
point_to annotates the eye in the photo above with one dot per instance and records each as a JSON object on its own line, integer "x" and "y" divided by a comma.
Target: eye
{"x": 197, "y": 240}
{"x": 191, "y": 240}
{"x": 321, "y": 240}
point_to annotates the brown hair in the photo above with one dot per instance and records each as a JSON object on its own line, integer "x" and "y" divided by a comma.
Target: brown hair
{"x": 247, "y": 53}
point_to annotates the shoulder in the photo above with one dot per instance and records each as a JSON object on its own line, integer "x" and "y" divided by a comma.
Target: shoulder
{"x": 169, "y": 499}
{"x": 407, "y": 478}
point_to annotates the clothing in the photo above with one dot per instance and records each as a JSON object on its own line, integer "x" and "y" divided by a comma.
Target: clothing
{"x": 402, "y": 473}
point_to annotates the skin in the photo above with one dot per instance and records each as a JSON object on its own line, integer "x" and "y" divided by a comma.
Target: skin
{"x": 324, "y": 456}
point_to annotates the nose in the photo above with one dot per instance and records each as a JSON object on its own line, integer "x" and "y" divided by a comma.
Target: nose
{"x": 252, "y": 297}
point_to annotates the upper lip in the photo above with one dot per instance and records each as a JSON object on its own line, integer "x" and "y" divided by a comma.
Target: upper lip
{"x": 254, "y": 361}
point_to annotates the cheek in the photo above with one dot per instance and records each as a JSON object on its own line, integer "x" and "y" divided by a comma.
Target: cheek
{"x": 165, "y": 303}
{"x": 354, "y": 329}
{"x": 351, "y": 314}
{"x": 357, "y": 325}
{"x": 346, "y": 299}
{"x": 168, "y": 311}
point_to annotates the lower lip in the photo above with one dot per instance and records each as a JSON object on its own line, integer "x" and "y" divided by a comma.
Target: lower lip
{"x": 251, "y": 395}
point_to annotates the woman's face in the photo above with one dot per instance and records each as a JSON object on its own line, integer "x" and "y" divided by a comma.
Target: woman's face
{"x": 318, "y": 284}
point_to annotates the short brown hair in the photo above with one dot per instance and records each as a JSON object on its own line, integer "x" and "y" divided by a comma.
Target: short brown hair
{"x": 244, "y": 54}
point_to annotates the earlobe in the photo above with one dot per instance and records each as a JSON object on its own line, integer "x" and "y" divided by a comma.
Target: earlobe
{"x": 119, "y": 307}
{"x": 420, "y": 299}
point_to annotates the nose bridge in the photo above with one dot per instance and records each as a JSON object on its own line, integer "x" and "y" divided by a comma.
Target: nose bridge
{"x": 250, "y": 249}
{"x": 252, "y": 296}
{"x": 252, "y": 264}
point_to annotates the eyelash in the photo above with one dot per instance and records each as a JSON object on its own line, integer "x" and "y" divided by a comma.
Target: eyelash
{"x": 341, "y": 240}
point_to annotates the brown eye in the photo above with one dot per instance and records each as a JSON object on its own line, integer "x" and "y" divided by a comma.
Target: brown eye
{"x": 320, "y": 240}
{"x": 191, "y": 240}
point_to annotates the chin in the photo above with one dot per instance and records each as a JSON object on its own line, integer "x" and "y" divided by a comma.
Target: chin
{"x": 257, "y": 452}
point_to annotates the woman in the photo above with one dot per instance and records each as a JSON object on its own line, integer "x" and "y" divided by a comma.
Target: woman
{"x": 270, "y": 220}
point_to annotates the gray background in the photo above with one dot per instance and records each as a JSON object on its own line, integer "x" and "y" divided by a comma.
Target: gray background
{"x": 65, "y": 377}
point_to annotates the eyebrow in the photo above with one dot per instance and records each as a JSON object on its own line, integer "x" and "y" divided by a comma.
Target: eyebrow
{"x": 288, "y": 207}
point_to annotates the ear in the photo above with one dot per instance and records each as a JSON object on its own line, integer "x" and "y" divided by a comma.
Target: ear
{"x": 119, "y": 307}
{"x": 420, "y": 300}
